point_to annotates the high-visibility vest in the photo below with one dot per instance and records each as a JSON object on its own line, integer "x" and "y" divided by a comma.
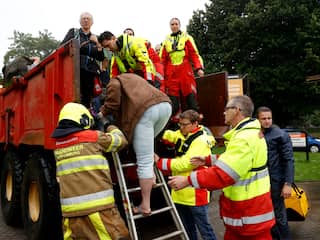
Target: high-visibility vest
{"x": 200, "y": 145}
{"x": 131, "y": 56}
{"x": 246, "y": 205}
{"x": 175, "y": 47}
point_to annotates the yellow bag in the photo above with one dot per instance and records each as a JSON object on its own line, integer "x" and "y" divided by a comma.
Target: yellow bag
{"x": 297, "y": 205}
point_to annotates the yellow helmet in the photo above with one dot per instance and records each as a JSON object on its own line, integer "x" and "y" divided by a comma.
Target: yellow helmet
{"x": 78, "y": 113}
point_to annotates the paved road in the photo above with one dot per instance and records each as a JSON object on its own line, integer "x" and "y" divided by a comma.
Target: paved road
{"x": 306, "y": 230}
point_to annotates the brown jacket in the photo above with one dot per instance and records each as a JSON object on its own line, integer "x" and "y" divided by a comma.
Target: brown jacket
{"x": 128, "y": 97}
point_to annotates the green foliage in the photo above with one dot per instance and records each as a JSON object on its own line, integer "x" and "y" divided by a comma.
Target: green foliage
{"x": 307, "y": 170}
{"x": 275, "y": 42}
{"x": 24, "y": 44}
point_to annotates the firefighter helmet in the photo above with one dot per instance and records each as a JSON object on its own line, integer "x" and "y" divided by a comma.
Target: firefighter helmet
{"x": 77, "y": 113}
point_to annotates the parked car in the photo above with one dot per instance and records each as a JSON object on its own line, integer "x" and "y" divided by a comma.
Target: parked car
{"x": 301, "y": 140}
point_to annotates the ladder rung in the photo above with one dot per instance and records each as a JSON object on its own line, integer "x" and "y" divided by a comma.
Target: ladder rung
{"x": 128, "y": 165}
{"x": 136, "y": 189}
{"x": 160, "y": 210}
{"x": 169, "y": 235}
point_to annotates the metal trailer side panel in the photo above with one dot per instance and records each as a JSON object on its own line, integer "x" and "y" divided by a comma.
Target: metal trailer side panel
{"x": 29, "y": 109}
{"x": 212, "y": 97}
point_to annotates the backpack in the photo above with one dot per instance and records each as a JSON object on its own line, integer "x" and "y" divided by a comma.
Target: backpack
{"x": 17, "y": 68}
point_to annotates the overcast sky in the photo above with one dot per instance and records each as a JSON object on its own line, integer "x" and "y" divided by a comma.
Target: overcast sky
{"x": 149, "y": 18}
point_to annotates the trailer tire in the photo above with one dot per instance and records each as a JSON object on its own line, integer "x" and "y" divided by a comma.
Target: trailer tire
{"x": 11, "y": 179}
{"x": 41, "y": 212}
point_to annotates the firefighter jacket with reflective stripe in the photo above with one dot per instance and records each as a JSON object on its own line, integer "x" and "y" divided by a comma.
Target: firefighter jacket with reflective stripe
{"x": 200, "y": 146}
{"x": 241, "y": 172}
{"x": 83, "y": 172}
{"x": 180, "y": 57}
{"x": 180, "y": 47}
{"x": 132, "y": 57}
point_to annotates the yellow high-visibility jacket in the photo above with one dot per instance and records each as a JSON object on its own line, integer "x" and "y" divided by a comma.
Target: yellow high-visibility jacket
{"x": 180, "y": 165}
{"x": 133, "y": 57}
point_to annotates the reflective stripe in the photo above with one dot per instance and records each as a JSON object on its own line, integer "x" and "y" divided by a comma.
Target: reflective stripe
{"x": 67, "y": 230}
{"x": 228, "y": 170}
{"x": 80, "y": 165}
{"x": 149, "y": 76}
{"x": 213, "y": 159}
{"x": 99, "y": 226}
{"x": 249, "y": 220}
{"x": 257, "y": 176}
{"x": 115, "y": 142}
{"x": 165, "y": 164}
{"x": 87, "y": 197}
{"x": 87, "y": 201}
{"x": 159, "y": 76}
{"x": 194, "y": 180}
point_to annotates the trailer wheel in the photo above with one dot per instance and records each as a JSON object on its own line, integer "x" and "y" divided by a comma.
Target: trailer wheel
{"x": 11, "y": 180}
{"x": 41, "y": 212}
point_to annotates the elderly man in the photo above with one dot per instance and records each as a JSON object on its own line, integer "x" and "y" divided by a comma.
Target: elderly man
{"x": 241, "y": 172}
{"x": 90, "y": 51}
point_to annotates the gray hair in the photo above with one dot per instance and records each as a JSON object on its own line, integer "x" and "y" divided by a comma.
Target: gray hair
{"x": 245, "y": 104}
{"x": 86, "y": 13}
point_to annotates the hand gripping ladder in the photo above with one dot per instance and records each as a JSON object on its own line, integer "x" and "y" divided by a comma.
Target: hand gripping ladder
{"x": 179, "y": 231}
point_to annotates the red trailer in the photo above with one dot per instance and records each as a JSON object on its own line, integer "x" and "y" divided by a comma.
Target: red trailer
{"x": 29, "y": 111}
{"x": 28, "y": 114}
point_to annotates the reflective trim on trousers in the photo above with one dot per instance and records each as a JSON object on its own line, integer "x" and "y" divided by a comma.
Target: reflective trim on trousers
{"x": 249, "y": 220}
{"x": 99, "y": 226}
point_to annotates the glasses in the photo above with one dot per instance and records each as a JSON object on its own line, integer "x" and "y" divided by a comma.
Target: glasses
{"x": 184, "y": 124}
{"x": 266, "y": 118}
{"x": 229, "y": 107}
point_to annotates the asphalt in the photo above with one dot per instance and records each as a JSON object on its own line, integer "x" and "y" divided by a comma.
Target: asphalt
{"x": 308, "y": 229}
{"x": 305, "y": 230}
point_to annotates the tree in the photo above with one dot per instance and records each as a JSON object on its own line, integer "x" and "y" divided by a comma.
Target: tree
{"x": 24, "y": 44}
{"x": 275, "y": 42}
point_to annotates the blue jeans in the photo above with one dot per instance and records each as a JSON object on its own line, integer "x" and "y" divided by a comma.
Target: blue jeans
{"x": 148, "y": 127}
{"x": 196, "y": 216}
{"x": 281, "y": 229}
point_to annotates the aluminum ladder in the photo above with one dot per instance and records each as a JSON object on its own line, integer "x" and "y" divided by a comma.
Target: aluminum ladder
{"x": 127, "y": 203}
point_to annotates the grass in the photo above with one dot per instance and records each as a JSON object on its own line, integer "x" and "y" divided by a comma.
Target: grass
{"x": 305, "y": 170}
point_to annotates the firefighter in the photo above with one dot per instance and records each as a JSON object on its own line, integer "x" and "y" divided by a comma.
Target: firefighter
{"x": 242, "y": 174}
{"x": 130, "y": 55}
{"x": 178, "y": 53}
{"x": 189, "y": 141}
{"x": 86, "y": 196}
